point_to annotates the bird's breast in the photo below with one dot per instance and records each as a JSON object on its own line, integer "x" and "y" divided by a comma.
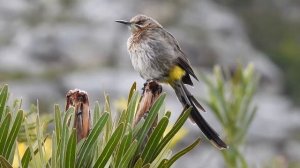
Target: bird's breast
{"x": 144, "y": 61}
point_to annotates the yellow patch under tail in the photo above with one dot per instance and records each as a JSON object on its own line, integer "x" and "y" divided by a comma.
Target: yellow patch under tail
{"x": 176, "y": 73}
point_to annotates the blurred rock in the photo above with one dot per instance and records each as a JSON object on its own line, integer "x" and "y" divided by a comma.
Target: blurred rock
{"x": 85, "y": 34}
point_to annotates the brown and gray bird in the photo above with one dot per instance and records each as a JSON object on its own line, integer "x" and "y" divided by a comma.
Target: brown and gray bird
{"x": 156, "y": 55}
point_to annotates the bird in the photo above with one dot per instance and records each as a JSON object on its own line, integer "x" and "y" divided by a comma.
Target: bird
{"x": 156, "y": 55}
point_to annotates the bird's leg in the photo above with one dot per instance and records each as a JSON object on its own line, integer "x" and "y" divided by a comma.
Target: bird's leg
{"x": 144, "y": 88}
{"x": 154, "y": 86}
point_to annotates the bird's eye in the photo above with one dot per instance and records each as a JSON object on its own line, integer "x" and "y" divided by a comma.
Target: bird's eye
{"x": 140, "y": 22}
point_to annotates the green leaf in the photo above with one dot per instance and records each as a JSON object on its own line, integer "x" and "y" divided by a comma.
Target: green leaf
{"x": 71, "y": 151}
{"x": 109, "y": 124}
{"x": 54, "y": 150}
{"x": 58, "y": 123}
{"x": 12, "y": 154}
{"x": 26, "y": 158}
{"x": 79, "y": 144}
{"x": 138, "y": 163}
{"x": 65, "y": 134}
{"x": 181, "y": 153}
{"x": 90, "y": 159}
{"x": 165, "y": 153}
{"x": 153, "y": 142}
{"x": 13, "y": 133}
{"x": 214, "y": 107}
{"x": 151, "y": 118}
{"x": 4, "y": 127}
{"x": 234, "y": 158}
{"x": 242, "y": 160}
{"x": 4, "y": 163}
{"x": 122, "y": 118}
{"x": 146, "y": 165}
{"x": 71, "y": 120}
{"x": 222, "y": 102}
{"x": 163, "y": 163}
{"x": 168, "y": 114}
{"x": 179, "y": 123}
{"x": 132, "y": 107}
{"x": 30, "y": 146}
{"x": 129, "y": 154}
{"x": 110, "y": 146}
{"x": 39, "y": 141}
{"x": 138, "y": 127}
{"x": 96, "y": 117}
{"x": 242, "y": 133}
{"x": 126, "y": 140}
{"x": 3, "y": 99}
{"x": 131, "y": 92}
{"x": 96, "y": 113}
{"x": 89, "y": 143}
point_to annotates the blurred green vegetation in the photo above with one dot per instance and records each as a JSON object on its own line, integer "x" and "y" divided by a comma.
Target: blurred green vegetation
{"x": 230, "y": 99}
{"x": 272, "y": 31}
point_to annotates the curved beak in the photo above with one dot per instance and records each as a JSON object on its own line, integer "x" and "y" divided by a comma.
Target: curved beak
{"x": 123, "y": 22}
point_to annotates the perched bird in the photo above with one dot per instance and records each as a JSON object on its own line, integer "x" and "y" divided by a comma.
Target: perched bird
{"x": 156, "y": 55}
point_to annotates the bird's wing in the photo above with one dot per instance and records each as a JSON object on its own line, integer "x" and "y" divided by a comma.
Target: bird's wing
{"x": 186, "y": 66}
{"x": 182, "y": 60}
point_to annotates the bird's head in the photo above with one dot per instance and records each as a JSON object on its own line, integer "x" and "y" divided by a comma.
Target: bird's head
{"x": 140, "y": 22}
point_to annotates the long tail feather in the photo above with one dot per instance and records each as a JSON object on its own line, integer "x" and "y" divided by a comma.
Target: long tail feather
{"x": 187, "y": 99}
